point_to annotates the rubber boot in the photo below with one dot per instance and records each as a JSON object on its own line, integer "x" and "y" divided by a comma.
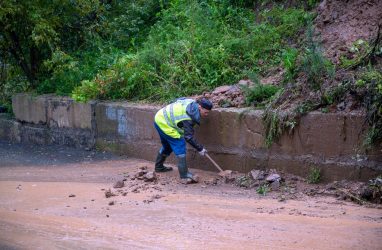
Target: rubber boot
{"x": 159, "y": 167}
{"x": 185, "y": 176}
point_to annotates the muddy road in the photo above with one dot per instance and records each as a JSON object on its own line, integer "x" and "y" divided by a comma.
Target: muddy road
{"x": 54, "y": 198}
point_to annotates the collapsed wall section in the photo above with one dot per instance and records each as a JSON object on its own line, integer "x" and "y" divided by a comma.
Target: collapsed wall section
{"x": 233, "y": 137}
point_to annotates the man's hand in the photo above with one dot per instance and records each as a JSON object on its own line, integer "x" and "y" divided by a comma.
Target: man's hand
{"x": 203, "y": 152}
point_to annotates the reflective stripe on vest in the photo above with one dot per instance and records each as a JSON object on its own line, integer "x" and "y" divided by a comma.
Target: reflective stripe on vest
{"x": 172, "y": 114}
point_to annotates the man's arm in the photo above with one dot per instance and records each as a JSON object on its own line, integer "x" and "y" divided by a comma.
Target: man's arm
{"x": 188, "y": 126}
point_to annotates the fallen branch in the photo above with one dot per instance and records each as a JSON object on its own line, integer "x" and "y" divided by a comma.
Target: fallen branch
{"x": 362, "y": 202}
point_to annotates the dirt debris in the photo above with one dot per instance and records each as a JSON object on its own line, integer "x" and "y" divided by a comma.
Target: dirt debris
{"x": 109, "y": 193}
{"x": 277, "y": 184}
{"x": 341, "y": 23}
{"x": 150, "y": 177}
{"x": 119, "y": 184}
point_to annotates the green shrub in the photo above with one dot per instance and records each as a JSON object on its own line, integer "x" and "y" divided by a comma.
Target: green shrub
{"x": 315, "y": 66}
{"x": 372, "y": 79}
{"x": 196, "y": 46}
{"x": 259, "y": 94}
{"x": 263, "y": 189}
{"x": 87, "y": 91}
{"x": 335, "y": 95}
{"x": 273, "y": 126}
{"x": 359, "y": 51}
{"x": 289, "y": 57}
{"x": 314, "y": 175}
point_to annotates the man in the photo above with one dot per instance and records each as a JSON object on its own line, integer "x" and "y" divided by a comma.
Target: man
{"x": 175, "y": 126}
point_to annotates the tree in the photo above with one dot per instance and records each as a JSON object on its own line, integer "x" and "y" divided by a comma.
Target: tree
{"x": 30, "y": 30}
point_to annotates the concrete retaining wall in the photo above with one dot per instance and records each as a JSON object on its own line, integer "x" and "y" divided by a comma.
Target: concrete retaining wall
{"x": 234, "y": 137}
{"x": 50, "y": 119}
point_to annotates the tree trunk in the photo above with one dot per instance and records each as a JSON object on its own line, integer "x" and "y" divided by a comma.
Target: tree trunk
{"x": 18, "y": 54}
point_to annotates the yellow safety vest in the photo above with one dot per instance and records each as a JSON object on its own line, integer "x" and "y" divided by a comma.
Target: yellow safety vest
{"x": 168, "y": 117}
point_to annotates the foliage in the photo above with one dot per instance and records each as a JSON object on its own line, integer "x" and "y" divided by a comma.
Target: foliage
{"x": 335, "y": 95}
{"x": 153, "y": 49}
{"x": 243, "y": 181}
{"x": 314, "y": 175}
{"x": 259, "y": 94}
{"x": 263, "y": 189}
{"x": 196, "y": 46}
{"x": 372, "y": 79}
{"x": 358, "y": 52}
{"x": 273, "y": 124}
{"x": 127, "y": 23}
{"x": 289, "y": 58}
{"x": 315, "y": 66}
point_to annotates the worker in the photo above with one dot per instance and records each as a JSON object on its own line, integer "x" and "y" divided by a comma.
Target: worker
{"x": 175, "y": 125}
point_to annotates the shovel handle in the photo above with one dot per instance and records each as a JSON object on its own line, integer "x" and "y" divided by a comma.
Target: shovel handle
{"x": 215, "y": 164}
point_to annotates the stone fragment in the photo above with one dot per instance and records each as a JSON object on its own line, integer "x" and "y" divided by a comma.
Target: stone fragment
{"x": 211, "y": 181}
{"x": 257, "y": 174}
{"x": 150, "y": 176}
{"x": 225, "y": 173}
{"x": 119, "y": 184}
{"x": 194, "y": 179}
{"x": 108, "y": 193}
{"x": 246, "y": 83}
{"x": 273, "y": 177}
{"x": 221, "y": 89}
{"x": 275, "y": 185}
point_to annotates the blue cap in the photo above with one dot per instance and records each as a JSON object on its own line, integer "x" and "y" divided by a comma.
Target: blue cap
{"x": 205, "y": 103}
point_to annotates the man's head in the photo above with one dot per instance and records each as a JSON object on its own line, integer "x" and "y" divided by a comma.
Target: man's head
{"x": 204, "y": 107}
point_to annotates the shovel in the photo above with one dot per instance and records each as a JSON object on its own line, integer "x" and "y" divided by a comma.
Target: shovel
{"x": 222, "y": 173}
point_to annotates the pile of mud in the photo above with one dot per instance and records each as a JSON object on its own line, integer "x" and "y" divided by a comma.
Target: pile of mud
{"x": 341, "y": 23}
{"x": 228, "y": 95}
{"x": 272, "y": 183}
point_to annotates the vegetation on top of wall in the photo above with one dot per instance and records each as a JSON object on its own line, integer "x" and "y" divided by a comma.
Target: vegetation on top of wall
{"x": 197, "y": 46}
{"x": 134, "y": 50}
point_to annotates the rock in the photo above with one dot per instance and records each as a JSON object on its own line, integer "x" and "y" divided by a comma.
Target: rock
{"x": 157, "y": 196}
{"x": 257, "y": 174}
{"x": 275, "y": 185}
{"x": 273, "y": 177}
{"x": 108, "y": 193}
{"x": 229, "y": 178}
{"x": 141, "y": 173}
{"x": 72, "y": 195}
{"x": 225, "y": 173}
{"x": 194, "y": 179}
{"x": 211, "y": 181}
{"x": 111, "y": 203}
{"x": 221, "y": 89}
{"x": 341, "y": 106}
{"x": 150, "y": 176}
{"x": 234, "y": 90}
{"x": 119, "y": 184}
{"x": 246, "y": 83}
